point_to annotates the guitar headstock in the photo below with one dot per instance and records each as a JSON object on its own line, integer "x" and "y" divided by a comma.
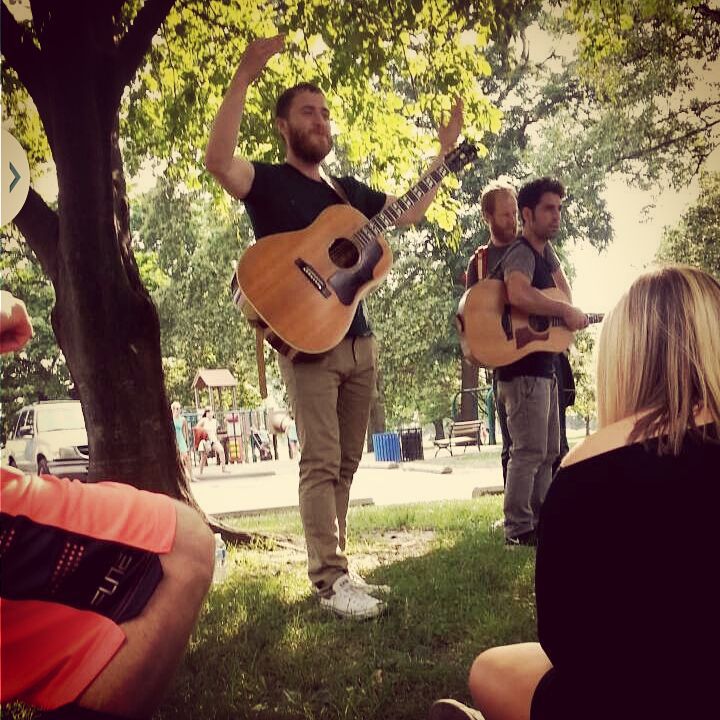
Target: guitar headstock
{"x": 459, "y": 157}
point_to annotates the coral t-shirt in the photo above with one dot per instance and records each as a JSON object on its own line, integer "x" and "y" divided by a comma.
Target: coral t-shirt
{"x": 76, "y": 561}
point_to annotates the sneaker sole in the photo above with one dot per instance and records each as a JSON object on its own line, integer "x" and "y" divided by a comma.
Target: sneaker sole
{"x": 370, "y": 589}
{"x": 373, "y": 612}
{"x": 453, "y": 710}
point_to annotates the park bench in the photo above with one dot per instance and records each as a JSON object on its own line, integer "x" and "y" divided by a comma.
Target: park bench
{"x": 461, "y": 434}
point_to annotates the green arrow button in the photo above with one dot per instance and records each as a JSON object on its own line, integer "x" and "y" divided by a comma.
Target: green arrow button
{"x": 16, "y": 177}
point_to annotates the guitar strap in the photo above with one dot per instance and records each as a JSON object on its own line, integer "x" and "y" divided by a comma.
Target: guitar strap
{"x": 334, "y": 184}
{"x": 481, "y": 258}
{"x": 260, "y": 359}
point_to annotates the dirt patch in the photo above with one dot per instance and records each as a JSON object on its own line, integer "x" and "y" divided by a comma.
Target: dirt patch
{"x": 393, "y": 545}
{"x": 376, "y": 549}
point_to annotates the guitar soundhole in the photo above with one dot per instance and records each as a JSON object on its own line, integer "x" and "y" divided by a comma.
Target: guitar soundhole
{"x": 539, "y": 323}
{"x": 343, "y": 253}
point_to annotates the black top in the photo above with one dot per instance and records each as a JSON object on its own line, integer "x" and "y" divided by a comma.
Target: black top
{"x": 494, "y": 254}
{"x": 521, "y": 256}
{"x": 282, "y": 199}
{"x": 628, "y": 609}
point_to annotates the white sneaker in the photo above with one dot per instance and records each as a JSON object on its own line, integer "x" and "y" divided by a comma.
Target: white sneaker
{"x": 349, "y": 602}
{"x": 360, "y": 583}
{"x": 497, "y": 525}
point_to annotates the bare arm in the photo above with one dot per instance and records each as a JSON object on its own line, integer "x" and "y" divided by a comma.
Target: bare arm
{"x": 447, "y": 135}
{"x": 523, "y": 295}
{"x": 562, "y": 283}
{"x": 236, "y": 174}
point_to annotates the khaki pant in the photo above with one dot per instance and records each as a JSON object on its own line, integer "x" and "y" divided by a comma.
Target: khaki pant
{"x": 331, "y": 399}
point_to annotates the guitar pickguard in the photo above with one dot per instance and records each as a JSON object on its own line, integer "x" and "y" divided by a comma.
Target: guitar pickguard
{"x": 346, "y": 283}
{"x": 525, "y": 335}
{"x": 536, "y": 329}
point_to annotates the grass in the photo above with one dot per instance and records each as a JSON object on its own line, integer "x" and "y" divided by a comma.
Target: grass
{"x": 264, "y": 649}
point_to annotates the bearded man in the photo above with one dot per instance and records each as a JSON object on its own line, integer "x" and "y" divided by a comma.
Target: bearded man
{"x": 498, "y": 204}
{"x": 330, "y": 393}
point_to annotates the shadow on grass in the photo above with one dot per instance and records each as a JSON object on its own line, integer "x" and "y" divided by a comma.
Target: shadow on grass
{"x": 264, "y": 649}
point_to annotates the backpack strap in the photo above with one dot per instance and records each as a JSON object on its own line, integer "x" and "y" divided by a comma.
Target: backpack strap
{"x": 481, "y": 258}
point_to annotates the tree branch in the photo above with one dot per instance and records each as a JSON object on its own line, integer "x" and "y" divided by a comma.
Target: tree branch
{"x": 21, "y": 55}
{"x": 662, "y": 145}
{"x": 137, "y": 40}
{"x": 40, "y": 227}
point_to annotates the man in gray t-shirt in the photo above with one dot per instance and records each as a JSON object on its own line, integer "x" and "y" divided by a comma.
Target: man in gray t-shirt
{"x": 527, "y": 388}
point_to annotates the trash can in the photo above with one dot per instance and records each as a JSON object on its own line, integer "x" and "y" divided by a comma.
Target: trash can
{"x": 235, "y": 449}
{"x": 411, "y": 443}
{"x": 387, "y": 447}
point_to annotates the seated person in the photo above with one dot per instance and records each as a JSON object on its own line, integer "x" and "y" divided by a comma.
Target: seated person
{"x": 625, "y": 615}
{"x": 210, "y": 444}
{"x": 100, "y": 585}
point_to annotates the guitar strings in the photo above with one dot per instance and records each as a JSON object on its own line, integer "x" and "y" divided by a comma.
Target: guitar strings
{"x": 378, "y": 224}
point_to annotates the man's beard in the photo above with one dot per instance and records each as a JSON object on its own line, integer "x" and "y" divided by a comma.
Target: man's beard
{"x": 304, "y": 148}
{"x": 547, "y": 233}
{"x": 503, "y": 234}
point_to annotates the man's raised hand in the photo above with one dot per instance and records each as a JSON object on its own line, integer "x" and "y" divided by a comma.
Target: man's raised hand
{"x": 448, "y": 132}
{"x": 257, "y": 54}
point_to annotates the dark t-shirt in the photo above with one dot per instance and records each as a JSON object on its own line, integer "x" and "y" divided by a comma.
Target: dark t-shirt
{"x": 522, "y": 257}
{"x": 493, "y": 253}
{"x": 627, "y": 609}
{"x": 282, "y": 199}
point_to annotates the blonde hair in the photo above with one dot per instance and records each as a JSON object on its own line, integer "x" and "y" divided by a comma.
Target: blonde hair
{"x": 659, "y": 355}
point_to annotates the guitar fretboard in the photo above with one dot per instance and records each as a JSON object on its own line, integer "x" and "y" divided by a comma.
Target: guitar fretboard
{"x": 389, "y": 216}
{"x": 592, "y": 318}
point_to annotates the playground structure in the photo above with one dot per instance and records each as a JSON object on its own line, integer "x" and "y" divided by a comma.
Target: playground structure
{"x": 247, "y": 434}
{"x": 215, "y": 384}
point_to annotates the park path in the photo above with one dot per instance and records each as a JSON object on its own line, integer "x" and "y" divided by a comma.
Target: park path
{"x": 272, "y": 485}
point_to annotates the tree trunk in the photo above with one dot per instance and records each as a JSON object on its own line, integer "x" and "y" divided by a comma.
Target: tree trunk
{"x": 104, "y": 319}
{"x": 439, "y": 429}
{"x": 377, "y": 413}
{"x": 468, "y": 400}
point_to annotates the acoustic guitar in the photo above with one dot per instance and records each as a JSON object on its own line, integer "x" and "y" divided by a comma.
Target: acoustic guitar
{"x": 303, "y": 287}
{"x": 493, "y": 333}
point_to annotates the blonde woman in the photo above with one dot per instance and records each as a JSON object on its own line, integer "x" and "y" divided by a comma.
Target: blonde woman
{"x": 182, "y": 435}
{"x": 628, "y": 539}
